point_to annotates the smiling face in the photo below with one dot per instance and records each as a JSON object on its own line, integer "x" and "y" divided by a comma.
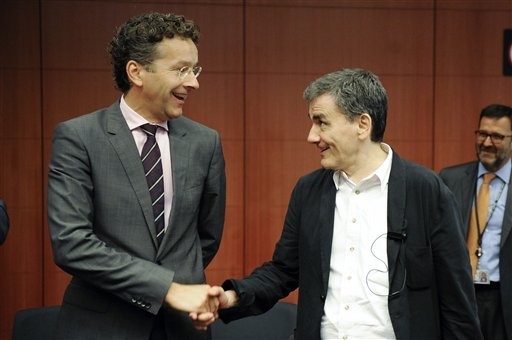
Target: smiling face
{"x": 333, "y": 134}
{"x": 494, "y": 156}
{"x": 160, "y": 93}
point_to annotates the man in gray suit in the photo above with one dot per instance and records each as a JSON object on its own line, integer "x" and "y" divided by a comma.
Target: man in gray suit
{"x": 134, "y": 276}
{"x": 4, "y": 221}
{"x": 493, "y": 238}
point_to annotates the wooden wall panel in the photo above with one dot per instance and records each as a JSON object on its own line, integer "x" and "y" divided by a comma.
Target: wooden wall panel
{"x": 318, "y": 39}
{"x": 20, "y": 159}
{"x": 459, "y": 100}
{"x": 469, "y": 47}
{"x": 277, "y": 154}
{"x": 410, "y": 118}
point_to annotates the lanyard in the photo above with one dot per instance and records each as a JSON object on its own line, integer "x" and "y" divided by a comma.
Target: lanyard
{"x": 493, "y": 207}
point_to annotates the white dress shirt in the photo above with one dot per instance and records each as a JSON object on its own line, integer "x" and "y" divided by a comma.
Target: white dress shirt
{"x": 356, "y": 305}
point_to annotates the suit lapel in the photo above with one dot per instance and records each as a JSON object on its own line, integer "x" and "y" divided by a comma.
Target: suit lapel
{"x": 179, "y": 147}
{"x": 507, "y": 218}
{"x": 123, "y": 143}
{"x": 326, "y": 225}
{"x": 397, "y": 224}
{"x": 466, "y": 193}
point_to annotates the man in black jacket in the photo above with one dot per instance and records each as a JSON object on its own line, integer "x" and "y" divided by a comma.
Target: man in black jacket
{"x": 372, "y": 240}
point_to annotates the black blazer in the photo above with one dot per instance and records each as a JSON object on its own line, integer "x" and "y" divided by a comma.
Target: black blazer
{"x": 4, "y": 221}
{"x": 437, "y": 301}
{"x": 461, "y": 179}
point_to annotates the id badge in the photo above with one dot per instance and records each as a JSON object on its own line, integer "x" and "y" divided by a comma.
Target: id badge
{"x": 482, "y": 277}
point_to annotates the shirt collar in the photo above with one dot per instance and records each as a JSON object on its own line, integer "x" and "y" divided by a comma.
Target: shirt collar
{"x": 503, "y": 173}
{"x": 133, "y": 119}
{"x": 381, "y": 174}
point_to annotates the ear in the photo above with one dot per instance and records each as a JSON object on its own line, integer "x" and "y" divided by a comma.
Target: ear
{"x": 364, "y": 127}
{"x": 135, "y": 71}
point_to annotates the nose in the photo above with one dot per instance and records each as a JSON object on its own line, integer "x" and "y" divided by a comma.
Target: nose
{"x": 191, "y": 82}
{"x": 313, "y": 136}
{"x": 487, "y": 141}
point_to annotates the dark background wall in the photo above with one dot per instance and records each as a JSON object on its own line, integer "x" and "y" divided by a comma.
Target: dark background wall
{"x": 440, "y": 60}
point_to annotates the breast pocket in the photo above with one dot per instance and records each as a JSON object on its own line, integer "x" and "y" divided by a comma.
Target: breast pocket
{"x": 191, "y": 198}
{"x": 419, "y": 266}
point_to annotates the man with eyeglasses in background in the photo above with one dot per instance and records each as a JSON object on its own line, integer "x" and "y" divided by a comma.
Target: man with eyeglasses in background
{"x": 136, "y": 195}
{"x": 371, "y": 240}
{"x": 488, "y": 225}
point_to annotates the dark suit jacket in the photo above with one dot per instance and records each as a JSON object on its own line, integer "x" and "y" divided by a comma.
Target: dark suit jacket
{"x": 438, "y": 298}
{"x": 461, "y": 179}
{"x": 4, "y": 221}
{"x": 102, "y": 231}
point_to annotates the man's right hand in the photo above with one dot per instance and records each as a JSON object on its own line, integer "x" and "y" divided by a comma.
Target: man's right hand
{"x": 193, "y": 298}
{"x": 225, "y": 299}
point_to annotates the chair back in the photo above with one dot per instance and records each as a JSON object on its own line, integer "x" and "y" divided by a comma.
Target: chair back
{"x": 35, "y": 323}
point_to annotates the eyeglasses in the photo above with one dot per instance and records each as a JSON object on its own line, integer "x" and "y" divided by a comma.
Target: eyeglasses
{"x": 185, "y": 71}
{"x": 496, "y": 138}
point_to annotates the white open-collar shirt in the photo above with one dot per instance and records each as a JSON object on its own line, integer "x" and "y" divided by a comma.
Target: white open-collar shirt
{"x": 356, "y": 305}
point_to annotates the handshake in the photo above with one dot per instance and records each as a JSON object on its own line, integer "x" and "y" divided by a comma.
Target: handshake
{"x": 202, "y": 302}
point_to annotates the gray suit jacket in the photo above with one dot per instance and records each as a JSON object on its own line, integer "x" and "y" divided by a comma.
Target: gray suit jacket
{"x": 102, "y": 231}
{"x": 461, "y": 179}
{"x": 4, "y": 221}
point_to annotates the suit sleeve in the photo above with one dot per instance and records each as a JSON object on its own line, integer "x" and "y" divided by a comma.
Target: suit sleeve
{"x": 213, "y": 205}
{"x": 447, "y": 179}
{"x": 77, "y": 248}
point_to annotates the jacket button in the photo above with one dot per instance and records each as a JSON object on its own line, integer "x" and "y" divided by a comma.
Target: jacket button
{"x": 322, "y": 297}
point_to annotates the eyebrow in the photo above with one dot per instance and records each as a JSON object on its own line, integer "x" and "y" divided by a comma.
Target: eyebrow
{"x": 317, "y": 116}
{"x": 490, "y": 133}
{"x": 176, "y": 65}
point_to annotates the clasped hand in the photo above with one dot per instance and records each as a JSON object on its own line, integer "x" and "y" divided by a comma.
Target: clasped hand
{"x": 202, "y": 302}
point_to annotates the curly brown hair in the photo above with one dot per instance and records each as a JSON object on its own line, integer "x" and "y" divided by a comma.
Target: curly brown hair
{"x": 138, "y": 38}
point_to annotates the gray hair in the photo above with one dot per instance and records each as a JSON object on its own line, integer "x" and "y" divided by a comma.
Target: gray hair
{"x": 355, "y": 92}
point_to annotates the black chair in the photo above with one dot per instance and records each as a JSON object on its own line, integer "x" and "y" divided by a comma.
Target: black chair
{"x": 35, "y": 323}
{"x": 276, "y": 324}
